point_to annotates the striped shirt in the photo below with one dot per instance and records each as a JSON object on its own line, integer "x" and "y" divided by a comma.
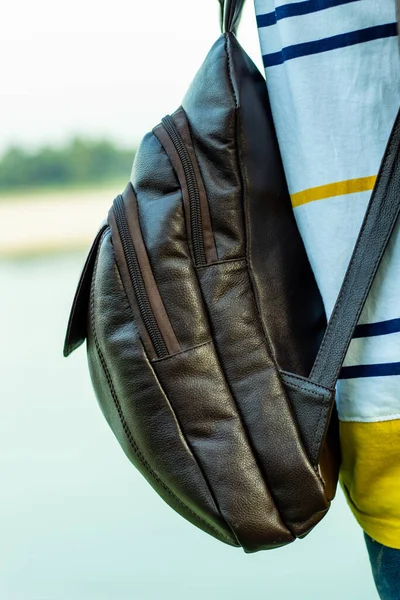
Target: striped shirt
{"x": 333, "y": 75}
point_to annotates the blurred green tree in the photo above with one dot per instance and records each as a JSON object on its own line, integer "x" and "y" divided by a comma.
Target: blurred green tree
{"x": 80, "y": 161}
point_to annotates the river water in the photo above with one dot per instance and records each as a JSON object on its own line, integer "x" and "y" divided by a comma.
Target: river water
{"x": 79, "y": 523}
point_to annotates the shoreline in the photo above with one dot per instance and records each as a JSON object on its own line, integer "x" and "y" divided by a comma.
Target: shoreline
{"x": 55, "y": 221}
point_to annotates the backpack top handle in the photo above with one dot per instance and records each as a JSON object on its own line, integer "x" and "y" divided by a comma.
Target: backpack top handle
{"x": 231, "y": 11}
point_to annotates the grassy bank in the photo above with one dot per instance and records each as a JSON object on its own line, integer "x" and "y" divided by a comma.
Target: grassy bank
{"x": 32, "y": 194}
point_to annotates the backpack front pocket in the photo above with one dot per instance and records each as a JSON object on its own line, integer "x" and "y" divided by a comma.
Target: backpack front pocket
{"x": 174, "y": 134}
{"x": 141, "y": 289}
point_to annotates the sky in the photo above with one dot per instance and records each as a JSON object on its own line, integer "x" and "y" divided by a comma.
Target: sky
{"x": 110, "y": 69}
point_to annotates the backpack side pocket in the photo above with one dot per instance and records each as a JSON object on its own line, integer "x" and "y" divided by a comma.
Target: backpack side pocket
{"x": 77, "y": 322}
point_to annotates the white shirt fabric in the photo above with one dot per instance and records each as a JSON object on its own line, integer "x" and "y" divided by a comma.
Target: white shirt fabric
{"x": 333, "y": 75}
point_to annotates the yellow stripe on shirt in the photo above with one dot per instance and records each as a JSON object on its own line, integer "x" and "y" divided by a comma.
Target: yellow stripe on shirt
{"x": 339, "y": 188}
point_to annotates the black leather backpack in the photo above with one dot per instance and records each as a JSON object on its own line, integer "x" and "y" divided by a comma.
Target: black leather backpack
{"x": 206, "y": 333}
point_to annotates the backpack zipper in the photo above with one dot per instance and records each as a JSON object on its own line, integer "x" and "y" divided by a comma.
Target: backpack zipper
{"x": 193, "y": 190}
{"x": 136, "y": 277}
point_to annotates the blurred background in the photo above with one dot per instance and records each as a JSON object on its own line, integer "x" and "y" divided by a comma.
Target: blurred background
{"x": 81, "y": 84}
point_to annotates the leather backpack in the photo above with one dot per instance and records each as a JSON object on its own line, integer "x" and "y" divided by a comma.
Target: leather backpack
{"x": 207, "y": 341}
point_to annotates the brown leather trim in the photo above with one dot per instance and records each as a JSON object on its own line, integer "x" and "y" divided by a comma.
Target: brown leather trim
{"x": 180, "y": 121}
{"x": 126, "y": 281}
{"x": 169, "y": 148}
{"x": 156, "y": 303}
{"x": 153, "y": 293}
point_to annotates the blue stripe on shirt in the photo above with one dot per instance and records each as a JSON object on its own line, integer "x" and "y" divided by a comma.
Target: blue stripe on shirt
{"x": 378, "y": 370}
{"x": 331, "y": 43}
{"x": 379, "y": 328}
{"x": 297, "y": 8}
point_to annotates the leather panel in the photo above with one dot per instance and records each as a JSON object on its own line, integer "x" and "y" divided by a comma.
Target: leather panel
{"x": 164, "y": 139}
{"x": 330, "y": 457}
{"x": 210, "y": 108}
{"x": 162, "y": 223}
{"x": 136, "y": 407}
{"x": 195, "y": 385}
{"x": 181, "y": 122}
{"x": 159, "y": 131}
{"x": 312, "y": 405}
{"x": 128, "y": 287}
{"x": 259, "y": 394}
{"x": 289, "y": 300}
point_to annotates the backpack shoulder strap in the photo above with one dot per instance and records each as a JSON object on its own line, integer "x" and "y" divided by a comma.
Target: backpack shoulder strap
{"x": 379, "y": 221}
{"x": 231, "y": 11}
